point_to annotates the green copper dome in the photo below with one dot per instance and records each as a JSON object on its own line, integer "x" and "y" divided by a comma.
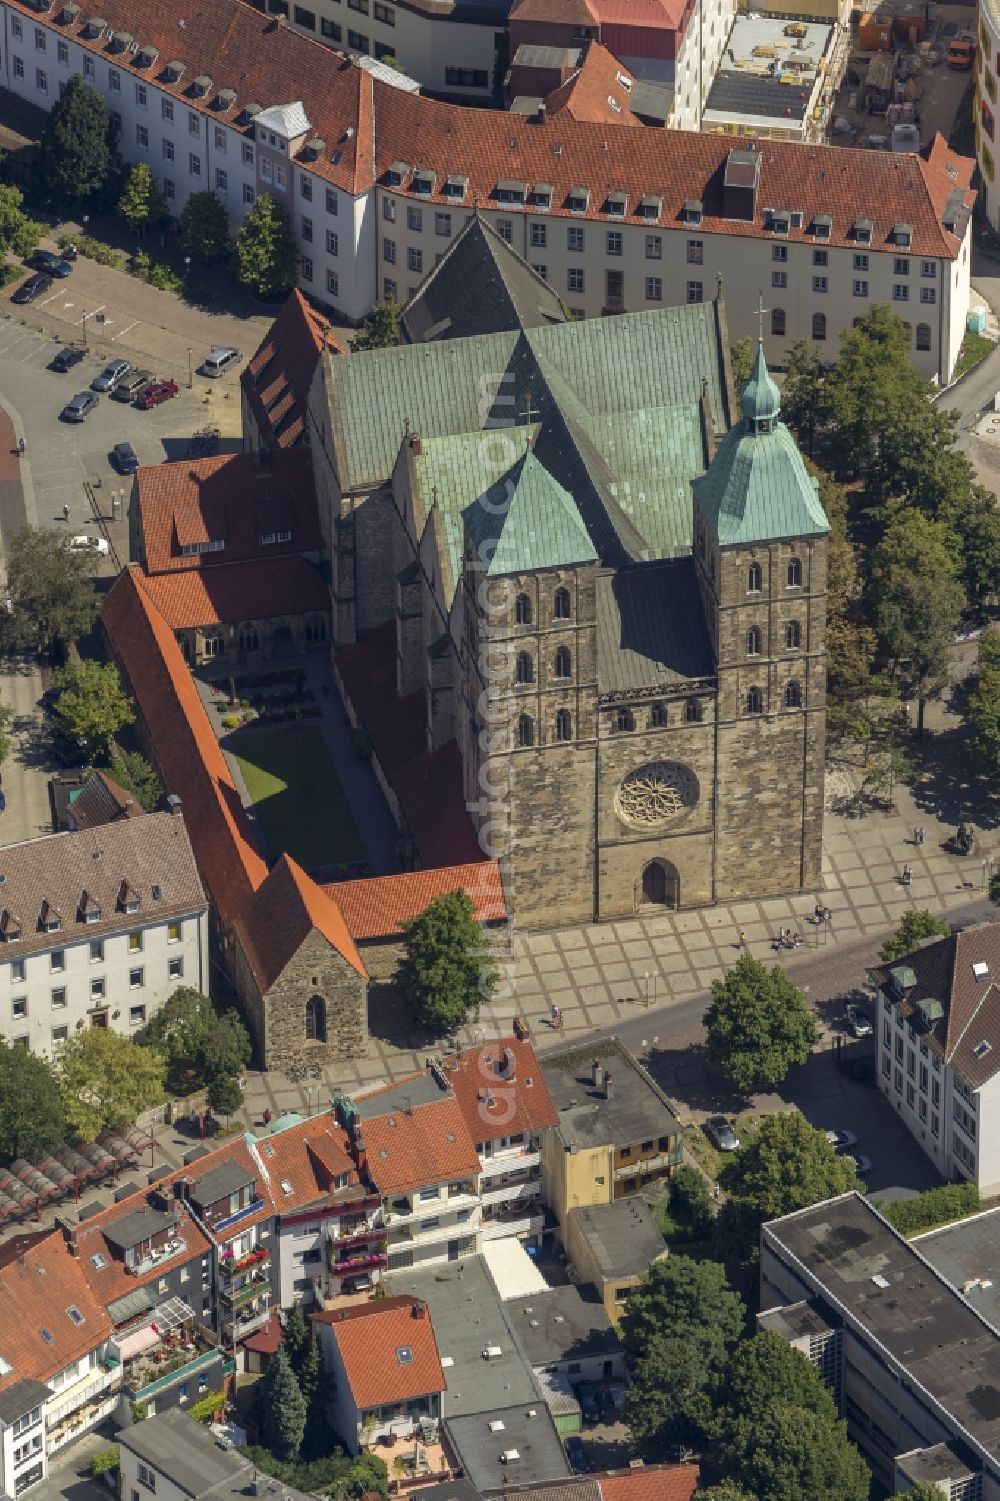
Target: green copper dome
{"x": 761, "y": 398}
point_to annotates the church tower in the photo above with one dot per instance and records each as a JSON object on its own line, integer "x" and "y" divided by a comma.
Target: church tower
{"x": 760, "y": 545}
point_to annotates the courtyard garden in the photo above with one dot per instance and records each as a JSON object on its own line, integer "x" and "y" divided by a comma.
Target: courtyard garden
{"x": 297, "y": 798}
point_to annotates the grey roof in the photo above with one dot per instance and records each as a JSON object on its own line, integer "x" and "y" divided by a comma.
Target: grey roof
{"x": 924, "y": 1324}
{"x": 794, "y": 1322}
{"x": 563, "y": 1324}
{"x": 480, "y": 286}
{"x": 939, "y": 1462}
{"x": 139, "y": 1225}
{"x": 130, "y": 1306}
{"x": 967, "y": 1252}
{"x": 468, "y": 1315}
{"x": 406, "y": 1095}
{"x": 449, "y": 1490}
{"x": 651, "y": 101}
{"x": 537, "y": 55}
{"x": 191, "y": 1457}
{"x": 228, "y": 1177}
{"x": 21, "y": 1398}
{"x": 636, "y": 1111}
{"x": 741, "y": 94}
{"x": 651, "y": 630}
{"x": 527, "y": 1429}
{"x": 100, "y": 801}
{"x": 623, "y": 1236}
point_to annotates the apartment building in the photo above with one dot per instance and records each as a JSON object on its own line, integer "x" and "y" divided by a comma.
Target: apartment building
{"x": 173, "y": 1459}
{"x": 97, "y": 928}
{"x": 614, "y": 219}
{"x": 384, "y": 1367}
{"x": 911, "y": 1362}
{"x": 938, "y": 1028}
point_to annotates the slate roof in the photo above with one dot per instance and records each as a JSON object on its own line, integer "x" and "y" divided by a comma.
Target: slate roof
{"x": 500, "y": 1089}
{"x": 370, "y": 1337}
{"x": 243, "y": 591}
{"x": 527, "y": 521}
{"x": 564, "y": 1324}
{"x": 480, "y": 286}
{"x": 191, "y": 1458}
{"x": 276, "y": 380}
{"x": 101, "y": 801}
{"x": 378, "y": 906}
{"x": 651, "y": 630}
{"x": 64, "y": 872}
{"x": 970, "y": 1017}
{"x": 37, "y": 1287}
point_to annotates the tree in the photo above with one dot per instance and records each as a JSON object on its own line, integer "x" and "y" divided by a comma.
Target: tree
{"x": 204, "y": 226}
{"x": 75, "y": 154}
{"x": 767, "y": 1369}
{"x": 267, "y": 260}
{"x": 198, "y": 1043}
{"x": 283, "y": 1408}
{"x": 682, "y": 1298}
{"x": 18, "y": 234}
{"x": 668, "y": 1401}
{"x": 924, "y": 1490}
{"x": 380, "y": 329}
{"x": 741, "y": 362}
{"x": 726, "y": 1490}
{"x": 787, "y": 1164}
{"x": 984, "y": 705}
{"x": 804, "y": 404}
{"x": 313, "y": 1385}
{"x": 873, "y": 394}
{"x": 6, "y": 723}
{"x": 916, "y": 601}
{"x": 850, "y": 640}
{"x": 107, "y": 1079}
{"x": 141, "y": 202}
{"x": 758, "y": 1025}
{"x": 134, "y": 774}
{"x": 31, "y": 1108}
{"x": 91, "y": 705}
{"x": 448, "y": 969}
{"x": 690, "y": 1196}
{"x": 51, "y": 591}
{"x": 914, "y": 928}
{"x": 225, "y": 1096}
{"x": 789, "y": 1452}
{"x": 297, "y": 1337}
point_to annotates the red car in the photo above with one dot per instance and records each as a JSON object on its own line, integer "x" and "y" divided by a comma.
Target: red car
{"x": 160, "y": 390}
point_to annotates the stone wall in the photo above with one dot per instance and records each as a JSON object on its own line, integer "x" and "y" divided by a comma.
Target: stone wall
{"x": 375, "y": 522}
{"x": 316, "y": 969}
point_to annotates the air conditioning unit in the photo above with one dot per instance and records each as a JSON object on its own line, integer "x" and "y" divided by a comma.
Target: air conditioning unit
{"x": 492, "y": 1352}
{"x": 508, "y": 1456}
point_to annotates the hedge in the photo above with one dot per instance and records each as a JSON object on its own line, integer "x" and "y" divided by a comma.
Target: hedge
{"x": 107, "y": 1459}
{"x": 937, "y": 1206}
{"x": 206, "y": 1407}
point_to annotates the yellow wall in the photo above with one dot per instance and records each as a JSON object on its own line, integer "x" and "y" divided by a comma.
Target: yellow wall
{"x": 574, "y": 1178}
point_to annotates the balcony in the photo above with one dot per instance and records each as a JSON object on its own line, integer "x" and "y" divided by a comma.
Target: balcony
{"x": 361, "y": 1263}
{"x": 218, "y": 1226}
{"x": 513, "y": 1193}
{"x": 176, "y": 1246}
{"x": 81, "y": 1393}
{"x": 174, "y": 1358}
{"x": 93, "y": 1411}
{"x": 229, "y": 1268}
{"x": 644, "y": 1165}
{"x": 414, "y": 1235}
{"x": 240, "y": 1328}
{"x": 358, "y": 1242}
{"x": 509, "y": 1160}
{"x": 257, "y": 1285}
{"x": 517, "y": 1222}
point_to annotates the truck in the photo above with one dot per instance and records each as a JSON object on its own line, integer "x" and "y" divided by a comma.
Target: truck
{"x": 961, "y": 52}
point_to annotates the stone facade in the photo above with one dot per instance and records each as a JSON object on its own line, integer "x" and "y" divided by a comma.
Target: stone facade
{"x": 249, "y": 643}
{"x": 318, "y": 993}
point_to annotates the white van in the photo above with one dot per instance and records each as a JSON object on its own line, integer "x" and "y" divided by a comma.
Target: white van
{"x": 219, "y": 361}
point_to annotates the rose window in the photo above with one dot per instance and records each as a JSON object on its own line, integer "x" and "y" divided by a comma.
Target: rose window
{"x": 656, "y": 793}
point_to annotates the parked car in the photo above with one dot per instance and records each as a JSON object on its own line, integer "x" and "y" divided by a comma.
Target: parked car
{"x": 69, "y": 750}
{"x": 219, "y": 361}
{"x": 577, "y": 1454}
{"x": 587, "y": 1399}
{"x": 721, "y": 1134}
{"x": 97, "y": 544}
{"x": 861, "y": 1162}
{"x": 111, "y": 376}
{"x": 49, "y": 262}
{"x": 157, "y": 393}
{"x": 858, "y": 1021}
{"x": 125, "y": 458}
{"x": 66, "y": 359}
{"x": 33, "y": 287}
{"x": 841, "y": 1140}
{"x": 961, "y": 53}
{"x": 80, "y": 407}
{"x": 133, "y": 385}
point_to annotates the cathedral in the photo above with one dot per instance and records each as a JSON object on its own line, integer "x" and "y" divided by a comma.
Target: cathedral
{"x": 600, "y": 577}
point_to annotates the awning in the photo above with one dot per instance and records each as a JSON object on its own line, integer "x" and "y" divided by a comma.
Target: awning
{"x": 122, "y": 1310}
{"x": 137, "y": 1341}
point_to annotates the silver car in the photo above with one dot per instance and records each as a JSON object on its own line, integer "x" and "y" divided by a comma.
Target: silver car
{"x": 721, "y": 1134}
{"x": 111, "y": 376}
{"x": 80, "y": 407}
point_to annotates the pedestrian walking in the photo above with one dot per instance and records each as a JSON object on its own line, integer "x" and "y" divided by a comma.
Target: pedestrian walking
{"x": 907, "y": 875}
{"x": 743, "y": 941}
{"x": 920, "y": 835}
{"x": 22, "y": 446}
{"x": 65, "y": 513}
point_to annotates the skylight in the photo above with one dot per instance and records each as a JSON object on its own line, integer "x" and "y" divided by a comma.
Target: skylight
{"x": 981, "y": 971}
{"x": 75, "y": 1314}
{"x": 404, "y": 1355}
{"x": 5, "y": 1369}
{"x": 286, "y": 1187}
{"x": 981, "y": 1049}
{"x": 47, "y": 1336}
{"x": 99, "y": 1260}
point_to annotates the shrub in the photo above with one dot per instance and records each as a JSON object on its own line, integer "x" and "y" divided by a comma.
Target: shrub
{"x": 937, "y": 1206}
{"x": 95, "y": 250}
{"x": 690, "y": 1197}
{"x": 105, "y": 1459}
{"x": 230, "y": 721}
{"x": 204, "y": 1410}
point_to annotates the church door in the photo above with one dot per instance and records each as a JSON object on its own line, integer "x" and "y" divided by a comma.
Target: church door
{"x": 661, "y": 885}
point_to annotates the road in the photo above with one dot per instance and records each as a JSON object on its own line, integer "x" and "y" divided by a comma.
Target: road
{"x": 976, "y": 391}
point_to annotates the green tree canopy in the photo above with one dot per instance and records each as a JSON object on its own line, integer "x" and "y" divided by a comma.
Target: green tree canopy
{"x": 51, "y": 591}
{"x": 984, "y": 705}
{"x": 91, "y": 704}
{"x": 726, "y": 1490}
{"x": 31, "y": 1107}
{"x": 107, "y": 1079}
{"x": 141, "y": 202}
{"x": 134, "y": 774}
{"x": 767, "y": 1369}
{"x": 787, "y": 1164}
{"x": 924, "y": 1490}
{"x": 804, "y": 402}
{"x": 204, "y": 226}
{"x": 787, "y": 1453}
{"x": 6, "y": 724}
{"x": 682, "y": 1298}
{"x": 916, "y": 602}
{"x": 448, "y": 969}
{"x": 913, "y": 929}
{"x": 18, "y": 234}
{"x": 850, "y": 639}
{"x": 225, "y": 1096}
{"x": 741, "y": 362}
{"x": 297, "y": 1337}
{"x": 668, "y": 1401}
{"x": 75, "y": 156}
{"x": 380, "y": 330}
{"x": 758, "y": 1025}
{"x": 315, "y": 1393}
{"x": 267, "y": 259}
{"x": 283, "y": 1409}
{"x": 198, "y": 1042}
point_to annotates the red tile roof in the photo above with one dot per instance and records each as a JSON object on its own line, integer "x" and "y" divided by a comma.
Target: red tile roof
{"x": 651, "y": 1483}
{"x": 242, "y": 591}
{"x": 266, "y": 1341}
{"x": 378, "y": 906}
{"x": 555, "y": 12}
{"x": 37, "y": 1287}
{"x": 308, "y": 1157}
{"x": 276, "y": 921}
{"x": 405, "y": 1149}
{"x": 658, "y": 15}
{"x": 370, "y": 1336}
{"x": 231, "y": 498}
{"x": 276, "y": 381}
{"x": 588, "y": 95}
{"x": 500, "y": 1089}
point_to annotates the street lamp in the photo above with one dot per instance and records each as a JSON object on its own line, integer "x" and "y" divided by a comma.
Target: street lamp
{"x": 85, "y": 317}
{"x": 190, "y": 373}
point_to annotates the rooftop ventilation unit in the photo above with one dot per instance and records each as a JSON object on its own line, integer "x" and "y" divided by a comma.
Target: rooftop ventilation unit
{"x": 880, "y": 1281}
{"x": 981, "y": 971}
{"x": 492, "y": 1352}
{"x": 508, "y": 1456}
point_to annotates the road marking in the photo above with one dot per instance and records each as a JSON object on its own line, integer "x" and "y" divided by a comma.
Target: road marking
{"x": 125, "y": 330}
{"x": 91, "y": 313}
{"x": 51, "y": 298}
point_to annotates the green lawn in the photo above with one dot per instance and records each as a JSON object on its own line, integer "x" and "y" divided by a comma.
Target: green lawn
{"x": 975, "y": 347}
{"x": 296, "y": 795}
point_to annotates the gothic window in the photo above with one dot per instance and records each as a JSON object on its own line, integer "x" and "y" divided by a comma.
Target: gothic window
{"x": 564, "y": 725}
{"x": 793, "y": 635}
{"x": 755, "y": 578}
{"x": 522, "y": 610}
{"x": 753, "y": 641}
{"x": 755, "y": 701}
{"x": 793, "y": 696}
{"x": 315, "y": 1019}
{"x": 525, "y": 670}
{"x": 656, "y": 793}
{"x": 657, "y": 716}
{"x": 560, "y": 604}
{"x": 624, "y": 721}
{"x": 794, "y": 573}
{"x": 249, "y": 641}
{"x": 563, "y": 665}
{"x": 692, "y": 711}
{"x": 525, "y": 731}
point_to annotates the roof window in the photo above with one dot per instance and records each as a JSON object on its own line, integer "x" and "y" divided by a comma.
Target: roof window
{"x": 981, "y": 971}
{"x": 286, "y": 1187}
{"x": 75, "y": 1314}
{"x": 404, "y": 1355}
{"x": 99, "y": 1261}
{"x": 47, "y": 1335}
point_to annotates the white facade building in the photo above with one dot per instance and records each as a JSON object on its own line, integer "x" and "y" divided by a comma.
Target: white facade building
{"x": 98, "y": 928}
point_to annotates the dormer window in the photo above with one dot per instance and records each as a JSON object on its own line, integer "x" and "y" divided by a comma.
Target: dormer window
{"x": 578, "y": 200}
{"x": 49, "y": 919}
{"x": 455, "y": 186}
{"x": 902, "y": 235}
{"x": 862, "y": 231}
{"x": 779, "y": 221}
{"x": 541, "y": 195}
{"x": 424, "y": 182}
{"x": 693, "y": 212}
{"x": 650, "y": 207}
{"x": 822, "y": 226}
{"x": 508, "y": 191}
{"x": 396, "y": 173}
{"x": 616, "y": 204}
{"x": 128, "y": 898}
{"x": 10, "y": 927}
{"x": 89, "y": 909}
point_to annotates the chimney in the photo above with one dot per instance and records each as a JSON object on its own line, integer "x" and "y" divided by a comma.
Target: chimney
{"x": 68, "y": 1229}
{"x": 418, "y": 1311}
{"x": 608, "y": 1091}
{"x": 596, "y": 1073}
{"x": 174, "y": 805}
{"x": 181, "y": 1186}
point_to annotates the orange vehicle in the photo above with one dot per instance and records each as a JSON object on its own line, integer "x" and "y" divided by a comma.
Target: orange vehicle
{"x": 961, "y": 53}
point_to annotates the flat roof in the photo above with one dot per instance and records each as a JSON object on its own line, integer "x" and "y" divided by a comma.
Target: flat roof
{"x": 422, "y": 1089}
{"x": 896, "y": 1297}
{"x": 139, "y": 1225}
{"x": 527, "y": 1430}
{"x": 766, "y": 73}
{"x": 968, "y": 1253}
{"x": 565, "y": 1323}
{"x": 623, "y": 1236}
{"x": 636, "y": 1111}
{"x": 191, "y": 1456}
{"x": 793, "y": 1322}
{"x": 939, "y": 1462}
{"x": 513, "y": 1272}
